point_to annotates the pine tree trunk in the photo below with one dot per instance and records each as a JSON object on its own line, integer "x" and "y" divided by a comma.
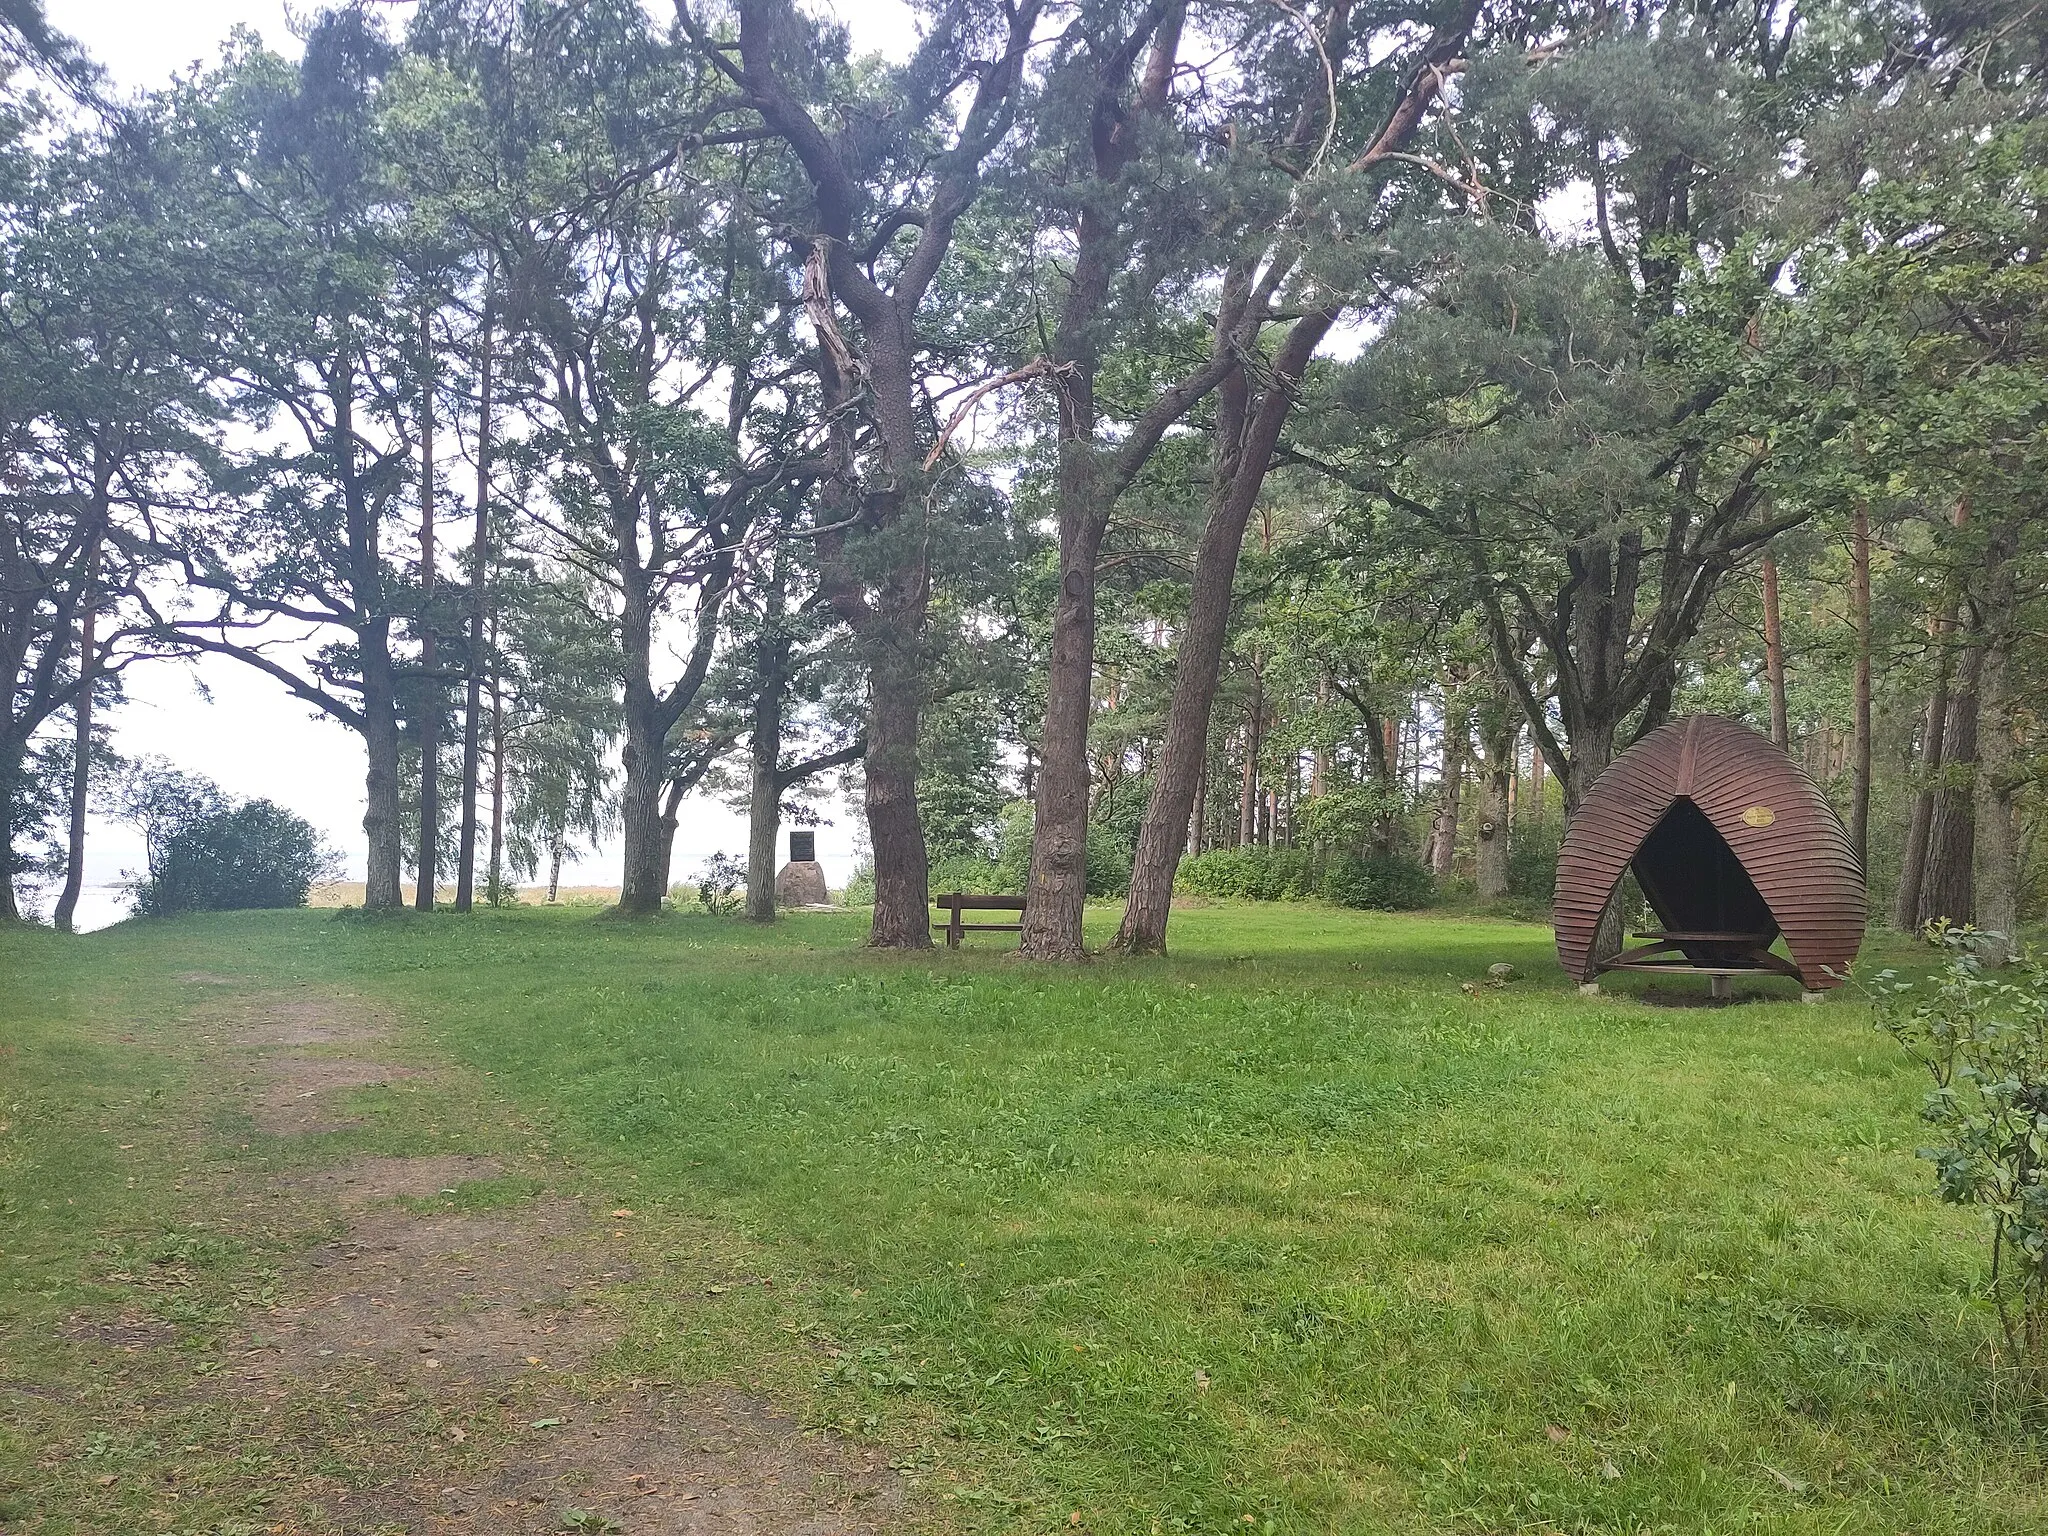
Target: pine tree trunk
{"x": 430, "y": 685}
{"x": 383, "y": 886}
{"x": 81, "y": 747}
{"x": 1443, "y": 850}
{"x": 1056, "y": 894}
{"x": 902, "y": 917}
{"x": 496, "y": 886}
{"x": 1933, "y": 754}
{"x": 1859, "y": 602}
{"x": 1913, "y": 867}
{"x": 1248, "y": 785}
{"x": 1496, "y": 807}
{"x": 1949, "y": 886}
{"x": 1774, "y": 657}
{"x": 764, "y": 800}
{"x": 1242, "y": 464}
{"x": 645, "y": 760}
{"x": 479, "y": 567}
{"x": 1998, "y": 775}
{"x": 12, "y": 753}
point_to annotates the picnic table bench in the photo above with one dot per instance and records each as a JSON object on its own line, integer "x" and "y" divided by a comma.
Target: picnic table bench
{"x": 956, "y": 903}
{"x": 1665, "y": 953}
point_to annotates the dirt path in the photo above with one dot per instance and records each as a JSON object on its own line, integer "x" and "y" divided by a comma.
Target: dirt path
{"x": 487, "y": 1326}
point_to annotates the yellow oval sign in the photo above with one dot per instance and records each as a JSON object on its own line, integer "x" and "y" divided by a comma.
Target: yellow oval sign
{"x": 1759, "y": 816}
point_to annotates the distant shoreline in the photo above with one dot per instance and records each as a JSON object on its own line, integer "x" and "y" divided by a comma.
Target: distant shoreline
{"x": 349, "y": 893}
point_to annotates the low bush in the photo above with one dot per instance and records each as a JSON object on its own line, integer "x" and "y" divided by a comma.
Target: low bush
{"x": 860, "y": 885}
{"x": 1532, "y": 864}
{"x": 1384, "y": 882}
{"x": 1253, "y": 874}
{"x": 1982, "y": 1035}
{"x": 1109, "y": 856}
{"x": 253, "y": 855}
{"x": 975, "y": 876}
{"x": 722, "y": 885}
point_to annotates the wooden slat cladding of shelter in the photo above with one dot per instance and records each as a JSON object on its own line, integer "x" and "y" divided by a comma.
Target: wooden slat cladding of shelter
{"x": 1780, "y": 828}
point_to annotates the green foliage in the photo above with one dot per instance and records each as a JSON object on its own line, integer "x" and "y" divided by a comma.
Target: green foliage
{"x": 1251, "y": 874}
{"x": 974, "y": 874}
{"x": 721, "y": 885}
{"x": 860, "y": 885}
{"x": 252, "y": 855}
{"x": 1983, "y": 1037}
{"x": 1532, "y": 863}
{"x": 959, "y": 777}
{"x": 1109, "y": 854}
{"x": 1353, "y": 815}
{"x": 1385, "y": 882}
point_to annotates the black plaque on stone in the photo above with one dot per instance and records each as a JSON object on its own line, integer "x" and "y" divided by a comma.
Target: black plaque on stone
{"x": 803, "y": 847}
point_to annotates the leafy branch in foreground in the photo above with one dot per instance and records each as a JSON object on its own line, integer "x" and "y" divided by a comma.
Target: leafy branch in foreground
{"x": 1984, "y": 1038}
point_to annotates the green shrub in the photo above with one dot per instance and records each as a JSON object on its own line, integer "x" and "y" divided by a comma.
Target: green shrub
{"x": 860, "y": 885}
{"x": 253, "y": 855}
{"x": 1983, "y": 1038}
{"x": 974, "y": 875}
{"x": 1532, "y": 864}
{"x": 1109, "y": 855}
{"x": 1253, "y": 874}
{"x": 1388, "y": 882}
{"x": 722, "y": 884}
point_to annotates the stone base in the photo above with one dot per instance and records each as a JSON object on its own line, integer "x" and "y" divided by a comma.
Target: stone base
{"x": 1813, "y": 997}
{"x": 801, "y": 885}
{"x": 1589, "y": 989}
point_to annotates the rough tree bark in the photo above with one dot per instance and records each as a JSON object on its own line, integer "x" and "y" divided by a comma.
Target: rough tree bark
{"x": 1495, "y": 839}
{"x": 81, "y": 744}
{"x": 1250, "y": 419}
{"x": 1998, "y": 776}
{"x": 1248, "y": 778}
{"x": 1774, "y": 657}
{"x": 1089, "y": 481}
{"x": 1859, "y": 607}
{"x": 479, "y": 568}
{"x": 885, "y": 608}
{"x": 764, "y": 750}
{"x": 1907, "y": 904}
{"x": 430, "y": 684}
{"x": 1443, "y": 846}
{"x": 1948, "y": 888}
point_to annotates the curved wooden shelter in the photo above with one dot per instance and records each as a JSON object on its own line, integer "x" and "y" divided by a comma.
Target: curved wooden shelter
{"x": 1732, "y": 845}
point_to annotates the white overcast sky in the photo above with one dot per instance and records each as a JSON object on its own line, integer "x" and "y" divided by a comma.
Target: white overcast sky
{"x": 218, "y": 717}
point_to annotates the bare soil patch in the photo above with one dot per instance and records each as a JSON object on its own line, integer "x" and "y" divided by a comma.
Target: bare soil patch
{"x": 498, "y": 1319}
{"x": 371, "y": 1180}
{"x": 659, "y": 1465}
{"x": 296, "y": 1093}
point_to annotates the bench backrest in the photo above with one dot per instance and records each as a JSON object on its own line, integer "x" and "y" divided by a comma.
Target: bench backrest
{"x": 956, "y": 901}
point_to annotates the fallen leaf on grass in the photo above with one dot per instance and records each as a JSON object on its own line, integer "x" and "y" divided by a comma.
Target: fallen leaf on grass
{"x": 546, "y": 1423}
{"x": 1557, "y": 1433}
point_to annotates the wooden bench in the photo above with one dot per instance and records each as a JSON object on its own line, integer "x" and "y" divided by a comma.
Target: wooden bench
{"x": 1664, "y": 954}
{"x": 955, "y": 904}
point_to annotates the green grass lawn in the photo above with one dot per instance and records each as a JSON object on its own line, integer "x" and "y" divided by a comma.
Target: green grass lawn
{"x": 1286, "y": 1233}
